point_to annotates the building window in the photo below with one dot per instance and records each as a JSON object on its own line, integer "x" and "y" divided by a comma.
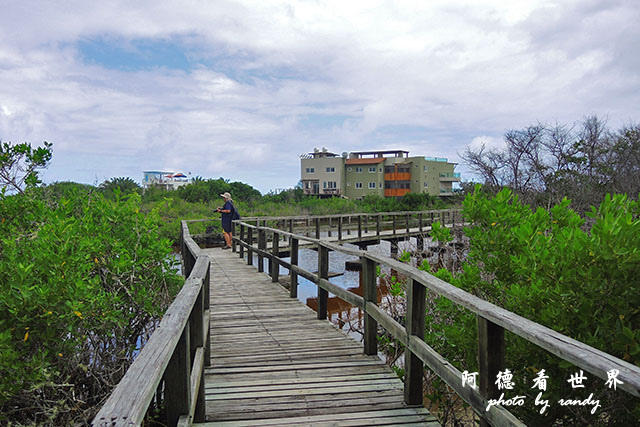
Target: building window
{"x": 358, "y": 185}
{"x": 359, "y": 170}
{"x": 310, "y": 170}
{"x": 380, "y": 169}
{"x": 372, "y": 170}
{"x": 348, "y": 184}
{"x": 426, "y": 185}
{"x": 380, "y": 185}
{"x": 349, "y": 169}
{"x": 426, "y": 168}
{"x": 372, "y": 185}
{"x": 331, "y": 184}
{"x": 331, "y": 169}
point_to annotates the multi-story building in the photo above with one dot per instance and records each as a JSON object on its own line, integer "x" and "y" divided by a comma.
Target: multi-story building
{"x": 385, "y": 173}
{"x": 322, "y": 173}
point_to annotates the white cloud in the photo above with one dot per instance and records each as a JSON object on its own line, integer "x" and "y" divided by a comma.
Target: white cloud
{"x": 431, "y": 76}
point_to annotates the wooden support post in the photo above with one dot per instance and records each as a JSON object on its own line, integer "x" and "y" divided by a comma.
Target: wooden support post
{"x": 416, "y": 308}
{"x": 378, "y": 225}
{"x": 349, "y": 227}
{"x": 323, "y": 273}
{"x": 407, "y": 223}
{"x": 394, "y": 248}
{"x": 262, "y": 245}
{"x": 420, "y": 222}
{"x": 196, "y": 339}
{"x": 359, "y": 226}
{"x": 329, "y": 228}
{"x": 394, "y": 223}
{"x": 491, "y": 354}
{"x": 370, "y": 293}
{"x": 250, "y": 242}
{"x": 269, "y": 263}
{"x": 275, "y": 267}
{"x": 293, "y": 249}
{"x": 317, "y": 228}
{"x": 241, "y": 250}
{"x": 177, "y": 379}
{"x": 340, "y": 229}
{"x": 207, "y": 302}
{"x": 366, "y": 224}
{"x": 420, "y": 243}
{"x": 233, "y": 233}
{"x": 290, "y": 230}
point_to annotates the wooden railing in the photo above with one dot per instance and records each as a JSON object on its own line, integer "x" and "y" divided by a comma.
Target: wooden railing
{"x": 356, "y": 226}
{"x": 169, "y": 371}
{"x": 492, "y": 322}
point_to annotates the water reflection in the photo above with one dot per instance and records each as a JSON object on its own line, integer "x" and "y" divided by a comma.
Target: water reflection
{"x": 339, "y": 311}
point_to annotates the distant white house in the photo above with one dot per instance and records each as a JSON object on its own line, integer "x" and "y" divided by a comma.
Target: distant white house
{"x": 168, "y": 180}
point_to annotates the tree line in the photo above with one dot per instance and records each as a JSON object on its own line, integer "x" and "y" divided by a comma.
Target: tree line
{"x": 543, "y": 163}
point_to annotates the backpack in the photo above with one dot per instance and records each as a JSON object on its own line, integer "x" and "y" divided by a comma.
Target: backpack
{"x": 234, "y": 214}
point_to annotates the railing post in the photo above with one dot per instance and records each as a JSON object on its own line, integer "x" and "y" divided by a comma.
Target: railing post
{"x": 196, "y": 339}
{"x": 329, "y": 228}
{"x": 323, "y": 273}
{"x": 407, "y": 223}
{"x": 416, "y": 308}
{"x": 250, "y": 242}
{"x": 378, "y": 226}
{"x": 262, "y": 245}
{"x": 491, "y": 354}
{"x": 317, "y": 228}
{"x": 340, "y": 229}
{"x": 290, "y": 230}
{"x": 241, "y": 250}
{"x": 177, "y": 380}
{"x": 233, "y": 241}
{"x": 366, "y": 224}
{"x": 293, "y": 288}
{"x": 275, "y": 266}
{"x": 349, "y": 226}
{"x": 394, "y": 223}
{"x": 207, "y": 302}
{"x": 420, "y": 222}
{"x": 370, "y": 293}
{"x": 359, "y": 226}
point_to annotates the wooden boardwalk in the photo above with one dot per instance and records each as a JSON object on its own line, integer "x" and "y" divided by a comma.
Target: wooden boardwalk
{"x": 273, "y": 363}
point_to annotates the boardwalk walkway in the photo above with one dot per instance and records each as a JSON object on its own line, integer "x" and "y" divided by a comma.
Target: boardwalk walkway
{"x": 273, "y": 363}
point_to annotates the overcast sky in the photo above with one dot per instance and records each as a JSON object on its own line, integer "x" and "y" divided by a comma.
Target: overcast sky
{"x": 239, "y": 89}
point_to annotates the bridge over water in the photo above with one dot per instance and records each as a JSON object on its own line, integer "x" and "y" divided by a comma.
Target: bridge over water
{"x": 235, "y": 349}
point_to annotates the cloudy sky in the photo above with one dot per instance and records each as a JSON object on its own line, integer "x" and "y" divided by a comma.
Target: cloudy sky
{"x": 240, "y": 89}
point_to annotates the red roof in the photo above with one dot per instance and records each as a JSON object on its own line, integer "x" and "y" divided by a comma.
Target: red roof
{"x": 372, "y": 161}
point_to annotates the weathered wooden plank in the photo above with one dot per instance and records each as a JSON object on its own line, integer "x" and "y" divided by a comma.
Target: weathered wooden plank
{"x": 295, "y": 374}
{"x": 359, "y": 418}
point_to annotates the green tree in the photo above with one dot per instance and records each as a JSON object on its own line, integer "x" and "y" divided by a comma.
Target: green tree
{"x": 20, "y": 163}
{"x": 125, "y": 185}
{"x": 550, "y": 267}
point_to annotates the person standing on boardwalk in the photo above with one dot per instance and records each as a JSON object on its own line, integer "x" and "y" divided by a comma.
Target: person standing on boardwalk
{"x": 227, "y": 216}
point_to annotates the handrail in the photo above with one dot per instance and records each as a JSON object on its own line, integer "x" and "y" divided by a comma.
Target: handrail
{"x": 170, "y": 367}
{"x": 345, "y": 215}
{"x": 492, "y": 321}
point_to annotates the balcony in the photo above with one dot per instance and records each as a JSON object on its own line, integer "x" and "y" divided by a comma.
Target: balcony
{"x": 450, "y": 177}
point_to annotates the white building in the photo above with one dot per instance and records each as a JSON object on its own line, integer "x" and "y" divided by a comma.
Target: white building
{"x": 167, "y": 180}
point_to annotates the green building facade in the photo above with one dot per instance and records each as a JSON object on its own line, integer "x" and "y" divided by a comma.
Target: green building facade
{"x": 384, "y": 173}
